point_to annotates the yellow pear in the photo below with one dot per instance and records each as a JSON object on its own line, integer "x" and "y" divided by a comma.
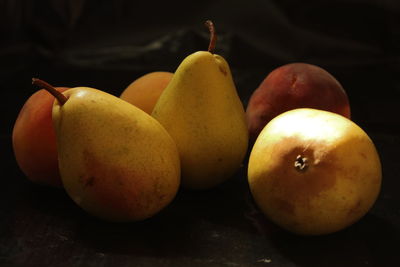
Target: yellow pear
{"x": 116, "y": 161}
{"x": 202, "y": 111}
{"x": 314, "y": 172}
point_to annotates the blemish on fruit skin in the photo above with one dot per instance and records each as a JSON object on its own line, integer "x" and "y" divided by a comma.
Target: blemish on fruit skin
{"x": 223, "y": 70}
{"x": 294, "y": 80}
{"x": 89, "y": 181}
{"x": 107, "y": 192}
{"x": 284, "y": 205}
{"x": 355, "y": 210}
{"x": 363, "y": 155}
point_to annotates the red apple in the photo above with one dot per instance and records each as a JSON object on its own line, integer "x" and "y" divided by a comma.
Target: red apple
{"x": 34, "y": 140}
{"x": 295, "y": 85}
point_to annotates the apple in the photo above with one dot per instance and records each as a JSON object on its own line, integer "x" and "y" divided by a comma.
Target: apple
{"x": 34, "y": 141}
{"x": 314, "y": 172}
{"x": 295, "y": 85}
{"x": 145, "y": 90}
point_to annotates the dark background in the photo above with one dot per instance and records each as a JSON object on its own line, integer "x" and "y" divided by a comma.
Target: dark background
{"x": 108, "y": 44}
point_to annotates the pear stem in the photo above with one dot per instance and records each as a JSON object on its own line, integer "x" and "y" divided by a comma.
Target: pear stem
{"x": 58, "y": 95}
{"x": 213, "y": 36}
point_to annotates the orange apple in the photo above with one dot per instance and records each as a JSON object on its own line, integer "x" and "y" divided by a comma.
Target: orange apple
{"x": 314, "y": 172}
{"x": 34, "y": 141}
{"x": 295, "y": 85}
{"x": 145, "y": 91}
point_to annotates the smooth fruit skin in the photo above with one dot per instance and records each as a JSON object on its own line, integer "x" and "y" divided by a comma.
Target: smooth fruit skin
{"x": 116, "y": 161}
{"x": 294, "y": 85}
{"x": 145, "y": 90}
{"x": 341, "y": 180}
{"x": 34, "y": 141}
{"x": 202, "y": 111}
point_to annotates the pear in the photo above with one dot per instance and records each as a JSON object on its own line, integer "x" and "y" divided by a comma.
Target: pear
{"x": 116, "y": 161}
{"x": 201, "y": 110}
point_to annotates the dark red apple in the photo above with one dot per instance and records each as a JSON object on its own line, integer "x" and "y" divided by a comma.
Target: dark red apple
{"x": 295, "y": 85}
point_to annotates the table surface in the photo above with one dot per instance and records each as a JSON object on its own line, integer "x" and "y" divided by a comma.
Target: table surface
{"x": 219, "y": 227}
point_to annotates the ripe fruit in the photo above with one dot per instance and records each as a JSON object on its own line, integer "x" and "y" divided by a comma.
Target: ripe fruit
{"x": 295, "y": 85}
{"x": 145, "y": 91}
{"x": 34, "y": 141}
{"x": 314, "y": 172}
{"x": 201, "y": 110}
{"x": 116, "y": 161}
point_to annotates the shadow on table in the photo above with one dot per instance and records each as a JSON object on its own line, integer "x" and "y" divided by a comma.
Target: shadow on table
{"x": 370, "y": 242}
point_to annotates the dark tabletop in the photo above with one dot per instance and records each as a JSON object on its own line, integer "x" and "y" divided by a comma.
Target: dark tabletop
{"x": 107, "y": 46}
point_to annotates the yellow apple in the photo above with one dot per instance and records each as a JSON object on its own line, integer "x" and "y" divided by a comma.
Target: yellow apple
{"x": 314, "y": 172}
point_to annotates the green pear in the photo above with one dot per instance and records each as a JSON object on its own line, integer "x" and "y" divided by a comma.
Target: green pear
{"x": 201, "y": 110}
{"x": 116, "y": 161}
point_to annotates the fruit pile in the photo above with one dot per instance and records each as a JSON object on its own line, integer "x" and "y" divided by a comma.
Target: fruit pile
{"x": 311, "y": 169}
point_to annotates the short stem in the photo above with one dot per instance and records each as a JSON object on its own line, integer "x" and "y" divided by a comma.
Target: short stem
{"x": 58, "y": 95}
{"x": 213, "y": 36}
